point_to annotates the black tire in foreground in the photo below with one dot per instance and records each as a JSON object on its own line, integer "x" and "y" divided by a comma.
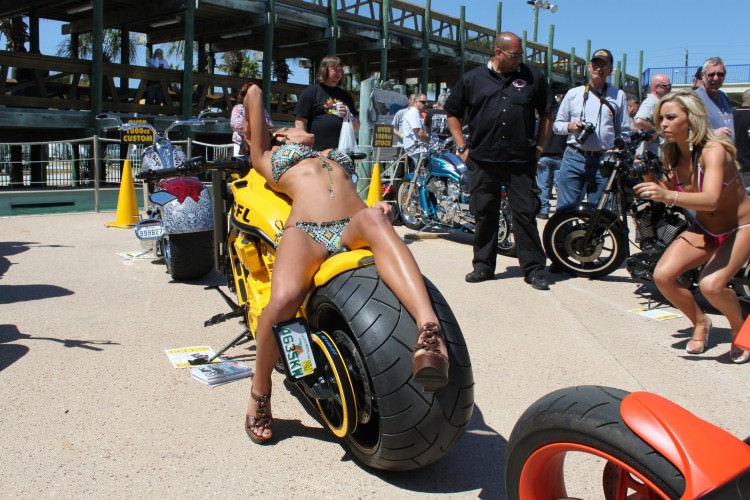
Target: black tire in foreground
{"x": 189, "y": 256}
{"x": 576, "y": 418}
{"x": 399, "y": 427}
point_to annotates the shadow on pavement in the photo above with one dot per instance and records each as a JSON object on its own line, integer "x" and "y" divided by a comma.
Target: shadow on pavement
{"x": 22, "y": 293}
{"x": 477, "y": 462}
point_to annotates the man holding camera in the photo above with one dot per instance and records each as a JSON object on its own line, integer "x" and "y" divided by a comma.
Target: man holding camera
{"x": 592, "y": 115}
{"x": 500, "y": 102}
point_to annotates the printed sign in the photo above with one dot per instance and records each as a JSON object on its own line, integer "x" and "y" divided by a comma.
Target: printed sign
{"x": 138, "y": 135}
{"x": 383, "y": 136}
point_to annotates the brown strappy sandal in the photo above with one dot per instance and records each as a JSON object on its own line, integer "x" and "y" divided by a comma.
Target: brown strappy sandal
{"x": 430, "y": 360}
{"x": 261, "y": 420}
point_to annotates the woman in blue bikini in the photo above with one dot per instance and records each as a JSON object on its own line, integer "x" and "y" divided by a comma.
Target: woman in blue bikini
{"x": 327, "y": 215}
{"x": 701, "y": 175}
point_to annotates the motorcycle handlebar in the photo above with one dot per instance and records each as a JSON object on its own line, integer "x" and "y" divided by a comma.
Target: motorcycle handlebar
{"x": 198, "y": 165}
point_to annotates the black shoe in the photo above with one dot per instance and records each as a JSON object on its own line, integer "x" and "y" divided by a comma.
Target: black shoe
{"x": 537, "y": 281}
{"x": 478, "y": 275}
{"x": 542, "y": 216}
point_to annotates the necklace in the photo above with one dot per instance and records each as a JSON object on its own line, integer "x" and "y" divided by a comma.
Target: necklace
{"x": 329, "y": 169}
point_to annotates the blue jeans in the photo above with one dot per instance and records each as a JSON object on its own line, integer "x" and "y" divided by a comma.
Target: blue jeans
{"x": 547, "y": 173}
{"x": 578, "y": 172}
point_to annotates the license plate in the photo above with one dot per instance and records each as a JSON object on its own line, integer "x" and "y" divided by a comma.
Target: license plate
{"x": 149, "y": 229}
{"x": 294, "y": 345}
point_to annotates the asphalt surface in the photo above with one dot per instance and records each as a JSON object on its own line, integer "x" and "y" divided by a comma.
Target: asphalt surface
{"x": 92, "y": 407}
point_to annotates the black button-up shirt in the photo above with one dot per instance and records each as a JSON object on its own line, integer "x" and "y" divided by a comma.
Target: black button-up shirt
{"x": 501, "y": 112}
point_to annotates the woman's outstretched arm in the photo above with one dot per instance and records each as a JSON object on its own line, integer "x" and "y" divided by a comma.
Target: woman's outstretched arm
{"x": 256, "y": 132}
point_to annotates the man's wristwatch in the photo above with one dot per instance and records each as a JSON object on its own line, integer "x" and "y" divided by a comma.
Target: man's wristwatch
{"x": 461, "y": 149}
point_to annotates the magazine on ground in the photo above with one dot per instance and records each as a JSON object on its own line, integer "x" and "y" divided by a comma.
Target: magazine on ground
{"x": 181, "y": 357}
{"x": 220, "y": 373}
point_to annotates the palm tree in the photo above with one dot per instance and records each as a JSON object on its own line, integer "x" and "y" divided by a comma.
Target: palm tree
{"x": 16, "y": 33}
{"x": 237, "y": 63}
{"x": 111, "y": 49}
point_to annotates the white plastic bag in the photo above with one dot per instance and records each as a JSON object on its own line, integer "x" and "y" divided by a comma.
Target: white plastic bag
{"x": 347, "y": 139}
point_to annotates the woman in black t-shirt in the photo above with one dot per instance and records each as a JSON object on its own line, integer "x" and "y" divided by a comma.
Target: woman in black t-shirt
{"x": 322, "y": 107}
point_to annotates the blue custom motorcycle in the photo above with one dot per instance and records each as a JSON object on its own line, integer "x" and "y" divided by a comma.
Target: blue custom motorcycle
{"x": 436, "y": 194}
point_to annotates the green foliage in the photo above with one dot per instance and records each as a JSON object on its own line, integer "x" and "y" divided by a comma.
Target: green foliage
{"x": 16, "y": 33}
{"x": 110, "y": 49}
{"x": 238, "y": 63}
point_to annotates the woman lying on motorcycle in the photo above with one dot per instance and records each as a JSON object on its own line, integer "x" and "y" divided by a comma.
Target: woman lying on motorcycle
{"x": 327, "y": 215}
{"x": 701, "y": 175}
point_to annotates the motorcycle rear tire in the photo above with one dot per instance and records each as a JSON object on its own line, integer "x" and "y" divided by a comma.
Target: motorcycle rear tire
{"x": 557, "y": 245}
{"x": 406, "y": 211}
{"x": 189, "y": 256}
{"x": 575, "y": 418}
{"x": 405, "y": 428}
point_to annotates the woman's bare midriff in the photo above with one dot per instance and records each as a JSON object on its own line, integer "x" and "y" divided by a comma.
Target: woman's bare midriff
{"x": 308, "y": 185}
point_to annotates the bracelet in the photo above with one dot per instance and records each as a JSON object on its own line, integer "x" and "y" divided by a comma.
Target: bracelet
{"x": 676, "y": 195}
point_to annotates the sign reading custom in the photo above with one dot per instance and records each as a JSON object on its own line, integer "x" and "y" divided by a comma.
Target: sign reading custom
{"x": 138, "y": 135}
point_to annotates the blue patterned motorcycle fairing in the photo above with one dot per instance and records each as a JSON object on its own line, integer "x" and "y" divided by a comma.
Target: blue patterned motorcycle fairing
{"x": 162, "y": 155}
{"x": 447, "y": 164}
{"x": 189, "y": 216}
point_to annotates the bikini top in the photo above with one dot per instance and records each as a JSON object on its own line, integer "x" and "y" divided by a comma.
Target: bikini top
{"x": 289, "y": 154}
{"x": 678, "y": 186}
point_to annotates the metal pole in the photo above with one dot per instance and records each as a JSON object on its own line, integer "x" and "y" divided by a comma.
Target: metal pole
{"x": 97, "y": 62}
{"x": 268, "y": 52}
{"x": 333, "y": 26}
{"x": 588, "y": 58}
{"x": 385, "y": 17}
{"x": 97, "y": 206}
{"x": 536, "y": 21}
{"x": 549, "y": 51}
{"x": 187, "y": 72}
{"x": 426, "y": 28}
{"x": 640, "y": 76}
{"x": 524, "y": 44}
{"x": 499, "y": 28}
{"x": 572, "y": 65}
{"x": 624, "y": 70}
{"x": 462, "y": 40}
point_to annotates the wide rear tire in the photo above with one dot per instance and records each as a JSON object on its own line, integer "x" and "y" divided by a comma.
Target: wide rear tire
{"x": 585, "y": 420}
{"x": 189, "y": 256}
{"x": 400, "y": 427}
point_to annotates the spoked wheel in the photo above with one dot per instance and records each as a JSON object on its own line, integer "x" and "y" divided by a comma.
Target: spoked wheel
{"x": 409, "y": 207}
{"x": 565, "y": 244}
{"x": 573, "y": 443}
{"x": 338, "y": 409}
{"x": 506, "y": 245}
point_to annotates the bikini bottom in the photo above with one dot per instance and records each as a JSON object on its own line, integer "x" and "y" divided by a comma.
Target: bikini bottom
{"x": 327, "y": 234}
{"x": 717, "y": 239}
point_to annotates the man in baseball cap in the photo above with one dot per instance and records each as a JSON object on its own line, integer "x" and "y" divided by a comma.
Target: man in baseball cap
{"x": 604, "y": 55}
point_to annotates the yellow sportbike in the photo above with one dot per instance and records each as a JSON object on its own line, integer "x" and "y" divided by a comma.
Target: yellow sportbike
{"x": 350, "y": 349}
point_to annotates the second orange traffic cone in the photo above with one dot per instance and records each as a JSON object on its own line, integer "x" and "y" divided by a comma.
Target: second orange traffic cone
{"x": 127, "y": 203}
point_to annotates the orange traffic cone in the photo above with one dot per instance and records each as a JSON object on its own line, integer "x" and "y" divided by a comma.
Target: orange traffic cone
{"x": 127, "y": 203}
{"x": 375, "y": 193}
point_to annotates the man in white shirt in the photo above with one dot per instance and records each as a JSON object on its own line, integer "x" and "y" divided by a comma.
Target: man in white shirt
{"x": 412, "y": 125}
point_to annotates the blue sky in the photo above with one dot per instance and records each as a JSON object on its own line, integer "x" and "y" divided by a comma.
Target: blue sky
{"x": 662, "y": 29}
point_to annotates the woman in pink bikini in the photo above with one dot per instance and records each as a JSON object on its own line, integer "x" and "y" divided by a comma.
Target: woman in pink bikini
{"x": 701, "y": 175}
{"x": 327, "y": 215}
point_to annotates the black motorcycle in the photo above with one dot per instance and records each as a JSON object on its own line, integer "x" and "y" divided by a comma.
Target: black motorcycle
{"x": 592, "y": 240}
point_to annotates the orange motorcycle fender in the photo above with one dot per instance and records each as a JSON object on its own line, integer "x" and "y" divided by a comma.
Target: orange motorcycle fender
{"x": 706, "y": 455}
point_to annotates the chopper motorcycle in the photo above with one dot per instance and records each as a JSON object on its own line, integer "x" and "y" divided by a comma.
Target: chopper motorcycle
{"x": 649, "y": 447}
{"x": 350, "y": 353}
{"x": 436, "y": 194}
{"x": 179, "y": 222}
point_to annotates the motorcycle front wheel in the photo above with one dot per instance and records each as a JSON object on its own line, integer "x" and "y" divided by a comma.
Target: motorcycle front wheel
{"x": 565, "y": 245}
{"x": 573, "y": 443}
{"x": 409, "y": 207}
{"x": 189, "y": 256}
{"x": 399, "y": 426}
{"x": 506, "y": 245}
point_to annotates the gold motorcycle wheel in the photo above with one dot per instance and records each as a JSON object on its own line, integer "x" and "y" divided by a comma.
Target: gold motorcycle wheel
{"x": 339, "y": 411}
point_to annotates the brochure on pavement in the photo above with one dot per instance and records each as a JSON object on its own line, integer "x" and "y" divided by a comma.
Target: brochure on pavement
{"x": 220, "y": 373}
{"x": 657, "y": 314}
{"x": 181, "y": 356}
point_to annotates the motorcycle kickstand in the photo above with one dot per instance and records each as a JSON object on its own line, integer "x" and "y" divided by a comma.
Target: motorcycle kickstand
{"x": 236, "y": 310}
{"x": 240, "y": 339}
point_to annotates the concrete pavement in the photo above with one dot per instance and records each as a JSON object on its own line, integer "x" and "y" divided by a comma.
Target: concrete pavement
{"x": 92, "y": 408}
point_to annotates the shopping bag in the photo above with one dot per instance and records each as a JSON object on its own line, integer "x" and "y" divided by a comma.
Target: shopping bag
{"x": 347, "y": 139}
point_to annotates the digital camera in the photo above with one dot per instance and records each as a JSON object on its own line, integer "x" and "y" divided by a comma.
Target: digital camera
{"x": 588, "y": 129}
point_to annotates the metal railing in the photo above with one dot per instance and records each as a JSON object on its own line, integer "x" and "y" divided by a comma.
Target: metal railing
{"x": 736, "y": 73}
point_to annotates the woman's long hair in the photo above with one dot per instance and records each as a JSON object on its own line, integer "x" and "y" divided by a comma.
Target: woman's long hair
{"x": 327, "y": 62}
{"x": 699, "y": 132}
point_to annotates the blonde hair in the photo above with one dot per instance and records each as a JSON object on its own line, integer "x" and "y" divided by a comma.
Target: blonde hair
{"x": 699, "y": 131}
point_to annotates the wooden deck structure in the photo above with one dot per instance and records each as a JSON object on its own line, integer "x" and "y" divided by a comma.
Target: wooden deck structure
{"x": 397, "y": 39}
